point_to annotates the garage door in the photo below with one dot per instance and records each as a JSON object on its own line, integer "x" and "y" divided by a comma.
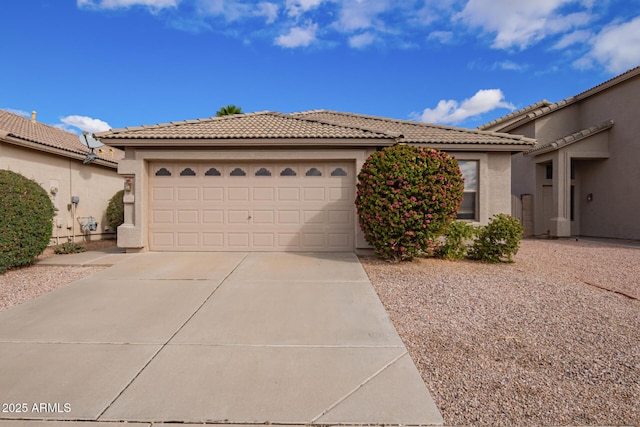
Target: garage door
{"x": 293, "y": 206}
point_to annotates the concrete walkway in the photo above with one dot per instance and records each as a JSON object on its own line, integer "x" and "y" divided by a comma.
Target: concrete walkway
{"x": 238, "y": 338}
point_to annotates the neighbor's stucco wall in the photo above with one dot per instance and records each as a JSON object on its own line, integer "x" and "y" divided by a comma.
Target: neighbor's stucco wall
{"x": 93, "y": 184}
{"x": 612, "y": 182}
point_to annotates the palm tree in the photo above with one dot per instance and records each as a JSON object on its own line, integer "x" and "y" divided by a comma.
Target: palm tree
{"x": 229, "y": 109}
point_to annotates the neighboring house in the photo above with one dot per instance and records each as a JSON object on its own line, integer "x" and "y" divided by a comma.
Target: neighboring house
{"x": 281, "y": 182}
{"x": 584, "y": 173}
{"x": 54, "y": 158}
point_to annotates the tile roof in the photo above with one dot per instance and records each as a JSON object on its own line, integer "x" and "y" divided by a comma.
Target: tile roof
{"x": 548, "y": 108}
{"x": 515, "y": 114}
{"x": 569, "y": 139}
{"x": 21, "y": 128}
{"x": 416, "y": 132}
{"x": 316, "y": 124}
{"x": 260, "y": 125}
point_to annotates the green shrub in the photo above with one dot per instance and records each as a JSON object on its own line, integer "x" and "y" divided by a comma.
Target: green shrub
{"x": 115, "y": 210}
{"x": 498, "y": 240}
{"x": 457, "y": 239}
{"x": 68, "y": 248}
{"x": 406, "y": 198}
{"x": 26, "y": 215}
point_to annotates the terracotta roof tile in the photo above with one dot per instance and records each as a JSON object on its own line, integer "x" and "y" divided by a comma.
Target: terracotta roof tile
{"x": 22, "y": 128}
{"x": 245, "y": 126}
{"x": 415, "y": 132}
{"x": 569, "y": 139}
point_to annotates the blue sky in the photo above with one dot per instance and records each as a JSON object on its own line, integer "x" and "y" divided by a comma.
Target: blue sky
{"x": 99, "y": 64}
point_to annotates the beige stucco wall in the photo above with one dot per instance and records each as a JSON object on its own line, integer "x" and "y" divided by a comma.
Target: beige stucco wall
{"x": 93, "y": 184}
{"x": 494, "y": 180}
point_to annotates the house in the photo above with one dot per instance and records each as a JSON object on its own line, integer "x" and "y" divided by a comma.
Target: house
{"x": 269, "y": 181}
{"x": 54, "y": 158}
{"x": 583, "y": 174}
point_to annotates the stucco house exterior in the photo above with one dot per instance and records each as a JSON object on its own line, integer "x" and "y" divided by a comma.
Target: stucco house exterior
{"x": 582, "y": 177}
{"x": 54, "y": 158}
{"x": 269, "y": 181}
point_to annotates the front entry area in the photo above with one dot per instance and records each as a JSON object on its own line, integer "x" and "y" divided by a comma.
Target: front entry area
{"x": 251, "y": 206}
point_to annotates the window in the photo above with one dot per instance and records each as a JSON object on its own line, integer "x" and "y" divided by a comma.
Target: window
{"x": 339, "y": 172}
{"x": 188, "y": 172}
{"x": 469, "y": 205}
{"x": 288, "y": 172}
{"x": 238, "y": 172}
{"x": 263, "y": 172}
{"x": 163, "y": 172}
{"x": 313, "y": 172}
{"x": 212, "y": 172}
{"x": 549, "y": 171}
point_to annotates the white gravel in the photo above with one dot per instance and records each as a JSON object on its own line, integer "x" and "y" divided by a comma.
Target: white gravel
{"x": 523, "y": 344}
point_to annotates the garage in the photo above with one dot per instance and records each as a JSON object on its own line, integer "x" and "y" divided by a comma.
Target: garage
{"x": 251, "y": 206}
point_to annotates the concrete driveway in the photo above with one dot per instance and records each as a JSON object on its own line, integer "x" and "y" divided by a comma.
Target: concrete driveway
{"x": 249, "y": 338}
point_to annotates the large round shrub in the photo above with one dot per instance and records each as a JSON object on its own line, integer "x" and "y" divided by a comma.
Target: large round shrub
{"x": 115, "y": 210}
{"x": 406, "y": 197}
{"x": 26, "y": 215}
{"x": 498, "y": 240}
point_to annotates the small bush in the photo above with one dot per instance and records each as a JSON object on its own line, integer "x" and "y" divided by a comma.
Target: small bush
{"x": 498, "y": 240}
{"x": 457, "y": 239}
{"x": 406, "y": 197}
{"x": 115, "y": 210}
{"x": 68, "y": 248}
{"x": 26, "y": 215}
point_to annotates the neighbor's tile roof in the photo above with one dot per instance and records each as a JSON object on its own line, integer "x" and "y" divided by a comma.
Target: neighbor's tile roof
{"x": 416, "y": 132}
{"x": 515, "y": 115}
{"x": 260, "y": 125}
{"x": 24, "y": 129}
{"x": 544, "y": 107}
{"x": 570, "y": 139}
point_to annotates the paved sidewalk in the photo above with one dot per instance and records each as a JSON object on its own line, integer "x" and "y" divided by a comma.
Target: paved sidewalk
{"x": 241, "y": 338}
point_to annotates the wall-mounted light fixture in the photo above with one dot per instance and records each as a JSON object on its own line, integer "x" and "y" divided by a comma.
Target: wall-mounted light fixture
{"x": 128, "y": 184}
{"x": 589, "y": 197}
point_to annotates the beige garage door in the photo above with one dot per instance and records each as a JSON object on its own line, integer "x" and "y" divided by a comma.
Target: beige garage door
{"x": 291, "y": 206}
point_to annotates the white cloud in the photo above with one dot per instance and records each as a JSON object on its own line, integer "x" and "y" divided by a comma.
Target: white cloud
{"x": 298, "y": 36}
{"x": 296, "y": 8}
{"x": 573, "y": 38}
{"x": 451, "y": 111}
{"x": 268, "y": 10}
{"x": 361, "y": 40}
{"x": 360, "y": 14}
{"x": 509, "y": 66}
{"x": 519, "y": 23}
{"x": 442, "y": 37}
{"x": 17, "y": 112}
{"x": 83, "y": 123}
{"x": 115, "y": 4}
{"x": 616, "y": 47}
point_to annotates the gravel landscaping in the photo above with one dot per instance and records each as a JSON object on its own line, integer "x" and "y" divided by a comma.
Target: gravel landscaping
{"x": 18, "y": 286}
{"x": 537, "y": 342}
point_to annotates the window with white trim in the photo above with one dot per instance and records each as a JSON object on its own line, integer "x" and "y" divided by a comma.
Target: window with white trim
{"x": 469, "y": 205}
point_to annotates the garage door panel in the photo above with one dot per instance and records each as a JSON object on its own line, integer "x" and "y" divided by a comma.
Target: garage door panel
{"x": 265, "y": 217}
{"x": 188, "y": 217}
{"x": 289, "y": 217}
{"x": 288, "y": 194}
{"x": 162, "y": 193}
{"x": 213, "y": 217}
{"x": 213, "y": 194}
{"x": 238, "y": 194}
{"x": 238, "y": 216}
{"x": 262, "y": 206}
{"x": 188, "y": 240}
{"x": 238, "y": 240}
{"x": 187, "y": 194}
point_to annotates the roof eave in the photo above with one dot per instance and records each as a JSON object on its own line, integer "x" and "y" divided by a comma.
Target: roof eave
{"x": 75, "y": 155}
